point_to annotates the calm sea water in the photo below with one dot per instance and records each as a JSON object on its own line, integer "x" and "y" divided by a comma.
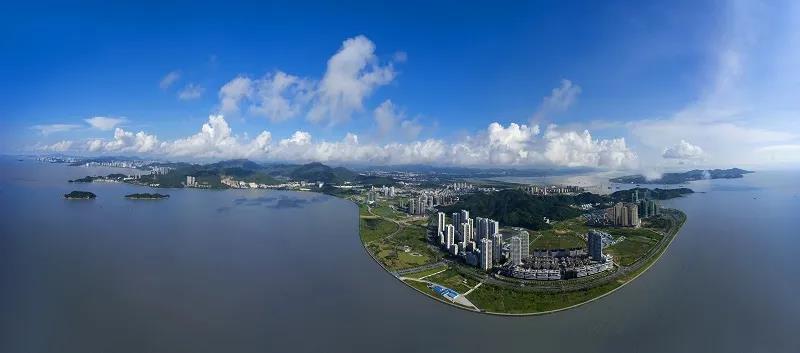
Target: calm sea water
{"x": 266, "y": 271}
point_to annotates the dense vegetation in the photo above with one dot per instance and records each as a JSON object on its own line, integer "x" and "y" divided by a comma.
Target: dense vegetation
{"x": 146, "y": 196}
{"x": 517, "y": 208}
{"x": 80, "y": 195}
{"x": 680, "y": 178}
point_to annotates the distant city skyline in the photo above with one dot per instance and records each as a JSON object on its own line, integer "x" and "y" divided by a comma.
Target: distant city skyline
{"x": 612, "y": 86}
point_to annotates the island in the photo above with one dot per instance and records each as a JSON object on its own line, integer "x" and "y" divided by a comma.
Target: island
{"x": 146, "y": 196}
{"x": 80, "y": 195}
{"x": 681, "y": 178}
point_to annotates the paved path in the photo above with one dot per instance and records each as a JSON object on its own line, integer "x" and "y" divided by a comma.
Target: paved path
{"x": 473, "y": 288}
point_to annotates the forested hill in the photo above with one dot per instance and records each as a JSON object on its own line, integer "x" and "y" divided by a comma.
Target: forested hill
{"x": 517, "y": 208}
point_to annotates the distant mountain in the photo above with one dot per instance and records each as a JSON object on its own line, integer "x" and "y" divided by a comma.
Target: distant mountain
{"x": 319, "y": 172}
{"x": 680, "y": 178}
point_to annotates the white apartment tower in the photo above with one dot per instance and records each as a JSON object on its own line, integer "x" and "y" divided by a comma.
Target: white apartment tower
{"x": 516, "y": 250}
{"x": 486, "y": 254}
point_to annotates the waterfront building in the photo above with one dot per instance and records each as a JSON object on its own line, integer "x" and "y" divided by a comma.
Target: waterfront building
{"x": 516, "y": 250}
{"x": 486, "y": 254}
{"x": 190, "y": 181}
{"x": 497, "y": 251}
{"x": 594, "y": 241}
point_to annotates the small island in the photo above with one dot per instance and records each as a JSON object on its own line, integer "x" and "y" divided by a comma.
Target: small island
{"x": 680, "y": 178}
{"x": 80, "y": 195}
{"x": 146, "y": 196}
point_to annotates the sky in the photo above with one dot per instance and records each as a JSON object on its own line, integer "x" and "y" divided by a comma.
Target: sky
{"x": 648, "y": 86}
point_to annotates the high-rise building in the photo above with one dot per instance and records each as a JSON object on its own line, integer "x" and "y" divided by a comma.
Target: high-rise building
{"x": 497, "y": 243}
{"x": 449, "y": 235}
{"x": 525, "y": 244}
{"x": 494, "y": 227}
{"x": 516, "y": 250}
{"x": 486, "y": 254}
{"x": 464, "y": 217}
{"x": 594, "y": 242}
{"x": 190, "y": 180}
{"x": 440, "y": 222}
{"x": 454, "y": 249}
{"x": 456, "y": 218}
{"x": 633, "y": 215}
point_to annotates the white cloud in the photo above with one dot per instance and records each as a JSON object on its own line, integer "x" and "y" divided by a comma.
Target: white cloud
{"x": 61, "y": 146}
{"x": 48, "y": 129}
{"x": 559, "y": 100}
{"x": 280, "y": 96}
{"x": 389, "y": 119}
{"x": 683, "y": 150}
{"x": 169, "y": 79}
{"x": 352, "y": 74}
{"x": 104, "y": 123}
{"x": 498, "y": 145}
{"x": 190, "y": 91}
{"x": 233, "y": 92}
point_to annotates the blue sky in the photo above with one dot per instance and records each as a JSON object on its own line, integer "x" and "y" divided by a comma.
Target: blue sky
{"x": 656, "y": 86}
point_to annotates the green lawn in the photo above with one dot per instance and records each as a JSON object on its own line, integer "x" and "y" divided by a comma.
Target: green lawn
{"x": 557, "y": 239}
{"x": 636, "y": 244}
{"x": 453, "y": 280}
{"x": 387, "y": 212}
{"x": 372, "y": 228}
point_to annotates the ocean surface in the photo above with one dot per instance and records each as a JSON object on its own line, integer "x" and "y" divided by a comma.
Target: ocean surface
{"x": 274, "y": 271}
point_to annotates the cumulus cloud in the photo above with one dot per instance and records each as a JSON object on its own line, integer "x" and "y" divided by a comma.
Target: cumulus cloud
{"x": 559, "y": 100}
{"x": 352, "y": 74}
{"x": 683, "y": 150}
{"x": 48, "y": 129}
{"x": 389, "y": 118}
{"x": 104, "y": 123}
{"x": 234, "y": 92}
{"x": 125, "y": 142}
{"x": 61, "y": 146}
{"x": 280, "y": 96}
{"x": 190, "y": 91}
{"x": 497, "y": 145}
{"x": 169, "y": 79}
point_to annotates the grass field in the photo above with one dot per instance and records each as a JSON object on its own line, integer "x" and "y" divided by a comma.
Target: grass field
{"x": 564, "y": 235}
{"x": 636, "y": 244}
{"x": 453, "y": 280}
{"x": 373, "y": 228}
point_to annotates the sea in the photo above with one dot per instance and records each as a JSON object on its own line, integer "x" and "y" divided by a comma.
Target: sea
{"x": 279, "y": 271}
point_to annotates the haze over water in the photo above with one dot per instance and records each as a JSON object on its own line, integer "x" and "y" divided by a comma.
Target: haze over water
{"x": 273, "y": 271}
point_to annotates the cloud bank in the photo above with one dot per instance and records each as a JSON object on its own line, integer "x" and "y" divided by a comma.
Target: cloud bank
{"x": 512, "y": 145}
{"x": 683, "y": 150}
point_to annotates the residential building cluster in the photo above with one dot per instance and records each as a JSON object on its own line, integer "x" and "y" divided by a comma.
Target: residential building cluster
{"x": 427, "y": 200}
{"x": 478, "y": 239}
{"x": 624, "y": 214}
{"x": 557, "y": 264}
